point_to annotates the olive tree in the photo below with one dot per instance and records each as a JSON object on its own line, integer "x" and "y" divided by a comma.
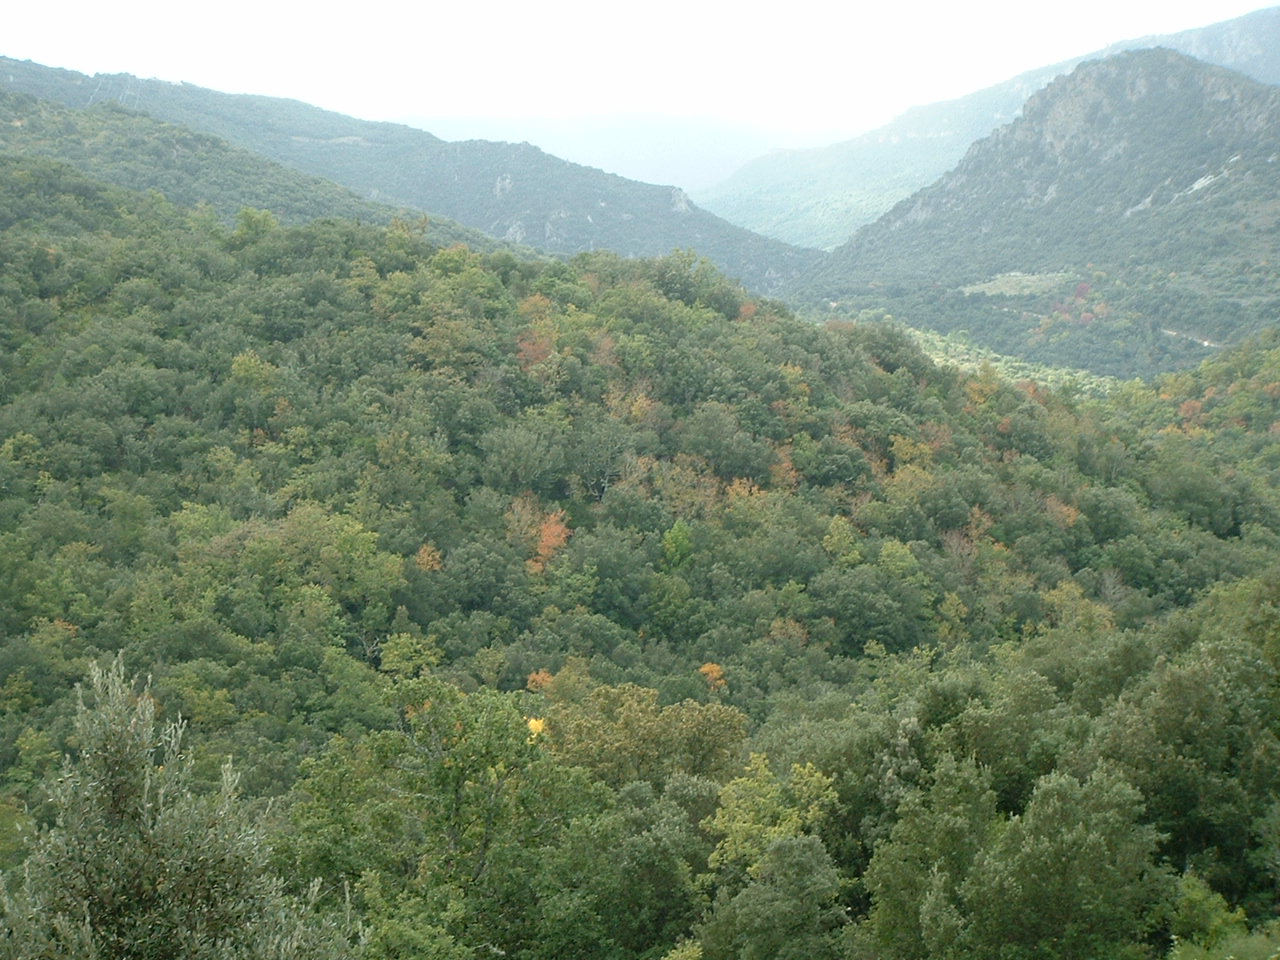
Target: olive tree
{"x": 137, "y": 865}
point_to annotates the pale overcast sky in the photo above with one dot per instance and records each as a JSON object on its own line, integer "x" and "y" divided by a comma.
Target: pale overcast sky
{"x": 802, "y": 72}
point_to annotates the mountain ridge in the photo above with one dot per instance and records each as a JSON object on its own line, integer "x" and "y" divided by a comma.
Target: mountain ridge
{"x": 129, "y": 149}
{"x": 1148, "y": 177}
{"x": 819, "y": 196}
{"x": 1083, "y": 126}
{"x": 514, "y": 192}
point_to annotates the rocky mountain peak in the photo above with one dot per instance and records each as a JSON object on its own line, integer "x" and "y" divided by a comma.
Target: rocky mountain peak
{"x": 1104, "y": 139}
{"x": 1148, "y": 174}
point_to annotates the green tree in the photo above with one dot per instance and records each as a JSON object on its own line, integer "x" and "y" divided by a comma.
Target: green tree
{"x": 621, "y": 734}
{"x": 759, "y": 808}
{"x": 1197, "y": 737}
{"x": 621, "y": 884}
{"x": 137, "y": 866}
{"x": 1073, "y": 877}
{"x": 442, "y": 825}
{"x": 789, "y": 910}
{"x": 914, "y": 875}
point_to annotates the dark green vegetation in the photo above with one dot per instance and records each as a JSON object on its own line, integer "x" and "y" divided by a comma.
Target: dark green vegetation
{"x": 1127, "y": 220}
{"x": 513, "y": 192}
{"x": 129, "y": 149}
{"x": 138, "y": 867}
{"x": 818, "y": 197}
{"x": 602, "y": 610}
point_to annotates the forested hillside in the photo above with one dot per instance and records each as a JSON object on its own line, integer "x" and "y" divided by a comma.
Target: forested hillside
{"x": 602, "y": 609}
{"x": 120, "y": 146}
{"x": 1126, "y": 223}
{"x": 512, "y": 192}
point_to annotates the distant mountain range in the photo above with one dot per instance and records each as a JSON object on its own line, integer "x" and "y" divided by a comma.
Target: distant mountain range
{"x": 692, "y": 152}
{"x": 1126, "y": 220}
{"x": 818, "y": 197}
{"x": 514, "y": 192}
{"x": 1129, "y": 218}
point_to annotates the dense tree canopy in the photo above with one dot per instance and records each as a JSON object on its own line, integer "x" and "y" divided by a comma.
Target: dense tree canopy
{"x": 600, "y": 609}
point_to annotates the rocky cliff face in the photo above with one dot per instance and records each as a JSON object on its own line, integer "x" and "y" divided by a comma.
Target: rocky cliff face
{"x": 1130, "y": 103}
